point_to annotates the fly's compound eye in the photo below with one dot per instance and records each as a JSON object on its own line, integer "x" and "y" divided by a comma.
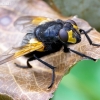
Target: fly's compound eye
{"x": 63, "y": 35}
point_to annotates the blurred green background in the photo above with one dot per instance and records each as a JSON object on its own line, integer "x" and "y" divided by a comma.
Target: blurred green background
{"x": 85, "y": 9}
{"x": 83, "y": 80}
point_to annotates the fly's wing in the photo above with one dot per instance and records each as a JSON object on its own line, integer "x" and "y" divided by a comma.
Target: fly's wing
{"x": 25, "y": 24}
{"x": 19, "y": 51}
{"x": 28, "y": 23}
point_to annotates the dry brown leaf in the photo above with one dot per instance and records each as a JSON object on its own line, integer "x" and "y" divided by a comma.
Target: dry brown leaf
{"x": 31, "y": 84}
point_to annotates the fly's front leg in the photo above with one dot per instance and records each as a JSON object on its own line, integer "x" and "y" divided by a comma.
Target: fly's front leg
{"x": 78, "y": 53}
{"x": 88, "y": 38}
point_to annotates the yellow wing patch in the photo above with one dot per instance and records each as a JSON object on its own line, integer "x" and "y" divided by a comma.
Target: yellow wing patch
{"x": 36, "y": 46}
{"x": 20, "y": 51}
{"x": 40, "y": 20}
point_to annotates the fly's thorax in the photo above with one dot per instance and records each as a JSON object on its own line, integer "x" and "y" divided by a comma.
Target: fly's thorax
{"x": 48, "y": 31}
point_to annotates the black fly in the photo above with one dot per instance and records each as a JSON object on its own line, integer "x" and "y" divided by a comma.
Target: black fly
{"x": 45, "y": 36}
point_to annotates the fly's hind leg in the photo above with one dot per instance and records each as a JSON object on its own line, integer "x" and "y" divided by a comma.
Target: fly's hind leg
{"x": 48, "y": 65}
{"x": 51, "y": 67}
{"x": 28, "y": 64}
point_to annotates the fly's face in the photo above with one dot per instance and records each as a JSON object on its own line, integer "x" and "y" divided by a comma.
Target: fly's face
{"x": 70, "y": 33}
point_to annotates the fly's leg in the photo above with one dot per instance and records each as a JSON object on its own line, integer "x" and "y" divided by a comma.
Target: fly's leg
{"x": 28, "y": 65}
{"x": 88, "y": 38}
{"x": 51, "y": 67}
{"x": 48, "y": 65}
{"x": 78, "y": 53}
